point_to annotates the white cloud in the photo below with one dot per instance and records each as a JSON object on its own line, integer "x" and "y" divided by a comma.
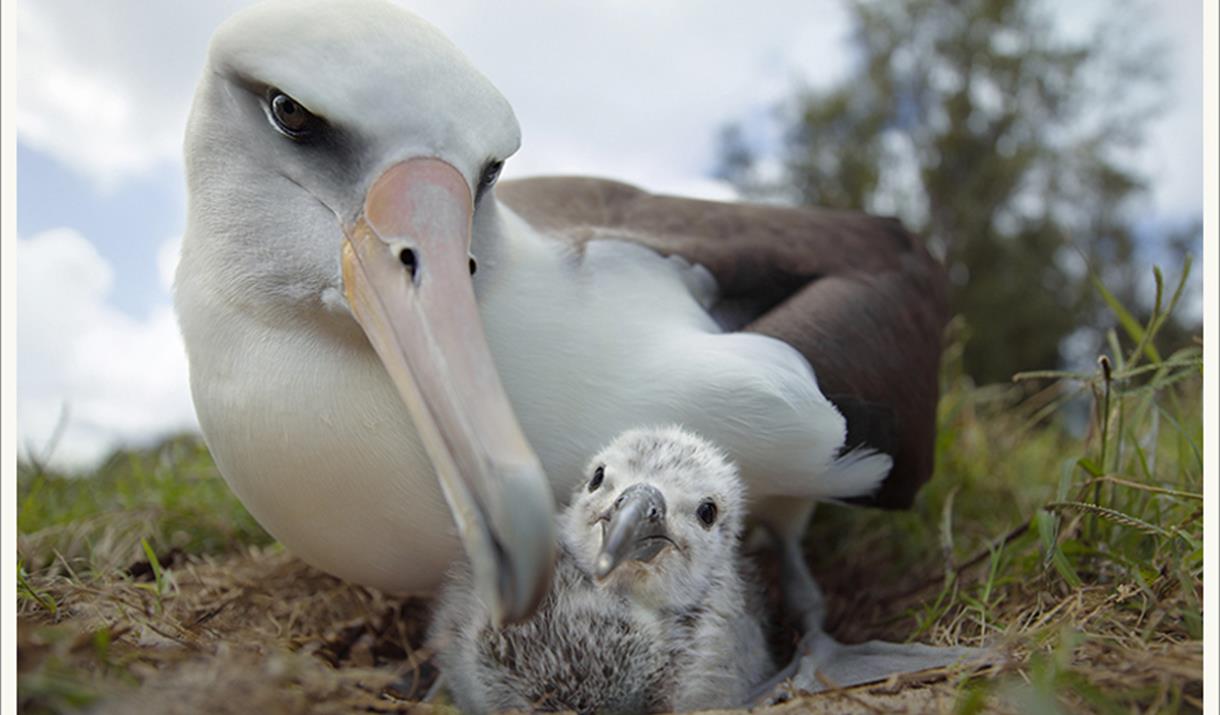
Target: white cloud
{"x": 122, "y": 380}
{"x": 639, "y": 91}
{"x": 1173, "y": 157}
{"x": 105, "y": 87}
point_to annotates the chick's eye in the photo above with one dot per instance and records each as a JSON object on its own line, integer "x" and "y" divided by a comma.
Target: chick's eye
{"x": 491, "y": 172}
{"x": 707, "y": 512}
{"x": 598, "y": 475}
{"x": 289, "y": 116}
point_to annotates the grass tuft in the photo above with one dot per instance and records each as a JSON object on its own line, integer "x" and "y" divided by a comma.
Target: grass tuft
{"x": 169, "y": 496}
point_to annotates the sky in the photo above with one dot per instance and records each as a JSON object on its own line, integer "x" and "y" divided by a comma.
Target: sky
{"x": 633, "y": 90}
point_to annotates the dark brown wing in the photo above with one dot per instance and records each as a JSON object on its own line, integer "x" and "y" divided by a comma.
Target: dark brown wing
{"x": 857, "y": 295}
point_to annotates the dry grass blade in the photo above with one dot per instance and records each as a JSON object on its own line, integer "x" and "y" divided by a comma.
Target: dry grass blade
{"x": 1110, "y": 515}
{"x": 1111, "y": 479}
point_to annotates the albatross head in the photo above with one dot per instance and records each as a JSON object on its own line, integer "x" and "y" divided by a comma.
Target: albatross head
{"x": 337, "y": 154}
{"x": 658, "y": 518}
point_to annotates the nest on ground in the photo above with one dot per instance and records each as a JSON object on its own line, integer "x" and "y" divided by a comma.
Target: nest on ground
{"x": 259, "y": 631}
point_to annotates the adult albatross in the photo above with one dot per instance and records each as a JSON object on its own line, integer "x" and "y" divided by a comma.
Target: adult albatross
{"x": 353, "y": 288}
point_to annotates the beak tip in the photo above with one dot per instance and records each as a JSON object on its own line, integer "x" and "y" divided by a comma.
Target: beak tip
{"x": 605, "y": 564}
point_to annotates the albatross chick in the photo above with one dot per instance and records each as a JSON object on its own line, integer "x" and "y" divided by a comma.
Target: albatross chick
{"x": 651, "y": 608}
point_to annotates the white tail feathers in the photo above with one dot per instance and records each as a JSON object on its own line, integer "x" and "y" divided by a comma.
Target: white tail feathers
{"x": 857, "y": 473}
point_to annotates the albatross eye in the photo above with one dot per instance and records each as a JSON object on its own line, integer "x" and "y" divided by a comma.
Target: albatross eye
{"x": 598, "y": 475}
{"x": 707, "y": 512}
{"x": 289, "y": 116}
{"x": 491, "y": 172}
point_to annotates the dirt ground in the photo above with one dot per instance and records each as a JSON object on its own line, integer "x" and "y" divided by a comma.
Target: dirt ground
{"x": 259, "y": 631}
{"x": 262, "y": 632}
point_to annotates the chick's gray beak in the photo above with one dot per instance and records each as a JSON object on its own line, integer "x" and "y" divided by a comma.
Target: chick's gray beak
{"x": 634, "y": 529}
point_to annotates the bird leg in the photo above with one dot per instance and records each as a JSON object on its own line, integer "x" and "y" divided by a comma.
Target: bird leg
{"x": 802, "y": 597}
{"x": 821, "y": 661}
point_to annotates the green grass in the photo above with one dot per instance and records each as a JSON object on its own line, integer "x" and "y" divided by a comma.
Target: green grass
{"x": 170, "y": 496}
{"x": 1081, "y": 491}
{"x": 1063, "y": 526}
{"x": 80, "y": 533}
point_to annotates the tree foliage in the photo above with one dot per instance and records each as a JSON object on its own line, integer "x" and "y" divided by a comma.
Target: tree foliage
{"x": 1000, "y": 142}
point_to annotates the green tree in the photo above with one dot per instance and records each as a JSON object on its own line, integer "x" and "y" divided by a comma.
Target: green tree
{"x": 994, "y": 138}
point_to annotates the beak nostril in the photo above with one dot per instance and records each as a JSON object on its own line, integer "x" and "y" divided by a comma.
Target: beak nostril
{"x": 474, "y": 266}
{"x": 407, "y": 257}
